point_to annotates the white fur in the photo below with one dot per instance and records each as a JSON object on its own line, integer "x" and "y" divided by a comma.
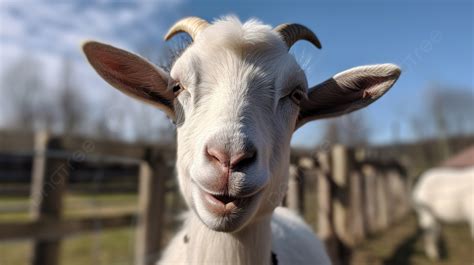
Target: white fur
{"x": 234, "y": 70}
{"x": 227, "y": 84}
{"x": 443, "y": 195}
{"x": 291, "y": 239}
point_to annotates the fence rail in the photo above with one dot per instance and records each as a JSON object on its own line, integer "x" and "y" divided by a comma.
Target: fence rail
{"x": 53, "y": 161}
{"x": 357, "y": 195}
{"x": 54, "y": 230}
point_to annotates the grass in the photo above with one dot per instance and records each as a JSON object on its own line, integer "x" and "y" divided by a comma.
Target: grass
{"x": 75, "y": 205}
{"x": 401, "y": 245}
{"x": 114, "y": 246}
{"x": 101, "y": 247}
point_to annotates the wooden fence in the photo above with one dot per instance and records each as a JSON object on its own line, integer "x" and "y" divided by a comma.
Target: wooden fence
{"x": 357, "y": 196}
{"x": 54, "y": 159}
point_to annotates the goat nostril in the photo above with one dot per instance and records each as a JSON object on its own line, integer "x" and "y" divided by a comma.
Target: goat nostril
{"x": 234, "y": 161}
{"x": 218, "y": 156}
{"x": 243, "y": 159}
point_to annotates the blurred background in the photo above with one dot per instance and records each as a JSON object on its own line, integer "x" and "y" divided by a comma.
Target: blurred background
{"x": 56, "y": 112}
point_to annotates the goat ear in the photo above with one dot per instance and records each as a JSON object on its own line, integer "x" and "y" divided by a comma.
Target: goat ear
{"x": 131, "y": 74}
{"x": 347, "y": 91}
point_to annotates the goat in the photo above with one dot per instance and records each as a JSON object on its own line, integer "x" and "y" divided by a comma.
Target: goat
{"x": 443, "y": 195}
{"x": 236, "y": 96}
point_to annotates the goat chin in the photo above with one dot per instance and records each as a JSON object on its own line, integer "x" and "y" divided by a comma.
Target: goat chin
{"x": 283, "y": 233}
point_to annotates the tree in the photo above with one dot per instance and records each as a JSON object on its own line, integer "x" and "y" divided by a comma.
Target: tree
{"x": 70, "y": 102}
{"x": 450, "y": 111}
{"x": 351, "y": 130}
{"x": 24, "y": 103}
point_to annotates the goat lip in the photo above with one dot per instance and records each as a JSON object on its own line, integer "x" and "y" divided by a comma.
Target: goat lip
{"x": 239, "y": 196}
{"x": 220, "y": 206}
{"x": 219, "y": 200}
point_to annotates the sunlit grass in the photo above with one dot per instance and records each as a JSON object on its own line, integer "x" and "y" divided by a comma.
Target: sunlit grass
{"x": 112, "y": 246}
{"x": 100, "y": 246}
{"x": 115, "y": 246}
{"x": 399, "y": 245}
{"x": 75, "y": 205}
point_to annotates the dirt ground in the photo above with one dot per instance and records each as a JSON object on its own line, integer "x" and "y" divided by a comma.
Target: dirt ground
{"x": 403, "y": 245}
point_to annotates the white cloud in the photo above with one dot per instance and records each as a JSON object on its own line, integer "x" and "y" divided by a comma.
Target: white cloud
{"x": 54, "y": 25}
{"x": 50, "y": 31}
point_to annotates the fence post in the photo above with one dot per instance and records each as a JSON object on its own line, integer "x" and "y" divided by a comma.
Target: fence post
{"x": 324, "y": 197}
{"x": 357, "y": 205}
{"x": 341, "y": 166}
{"x": 153, "y": 173}
{"x": 370, "y": 181}
{"x": 49, "y": 178}
{"x": 400, "y": 193}
{"x": 382, "y": 203}
{"x": 325, "y": 207}
{"x": 390, "y": 191}
{"x": 293, "y": 194}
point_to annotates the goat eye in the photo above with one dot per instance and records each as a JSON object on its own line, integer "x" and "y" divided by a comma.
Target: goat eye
{"x": 177, "y": 88}
{"x": 297, "y": 95}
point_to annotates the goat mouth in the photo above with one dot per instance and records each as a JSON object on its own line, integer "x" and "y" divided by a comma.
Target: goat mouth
{"x": 224, "y": 199}
{"x": 223, "y": 205}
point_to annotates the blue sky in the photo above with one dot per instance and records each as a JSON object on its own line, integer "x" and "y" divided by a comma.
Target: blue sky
{"x": 431, "y": 40}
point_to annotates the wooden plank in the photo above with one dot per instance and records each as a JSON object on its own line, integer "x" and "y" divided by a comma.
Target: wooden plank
{"x": 112, "y": 148}
{"x": 21, "y": 142}
{"x": 325, "y": 208}
{"x": 341, "y": 166}
{"x": 370, "y": 211}
{"x": 401, "y": 194}
{"x": 54, "y": 230}
{"x": 325, "y": 229}
{"x": 49, "y": 178}
{"x": 293, "y": 193}
{"x": 357, "y": 205}
{"x": 102, "y": 147}
{"x": 16, "y": 141}
{"x": 153, "y": 174}
{"x": 382, "y": 217}
{"x": 342, "y": 163}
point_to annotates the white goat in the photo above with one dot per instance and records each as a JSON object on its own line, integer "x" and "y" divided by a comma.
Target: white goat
{"x": 443, "y": 195}
{"x": 236, "y": 96}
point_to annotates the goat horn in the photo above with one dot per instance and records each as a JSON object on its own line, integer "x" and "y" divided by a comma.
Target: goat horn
{"x": 292, "y": 33}
{"x": 190, "y": 25}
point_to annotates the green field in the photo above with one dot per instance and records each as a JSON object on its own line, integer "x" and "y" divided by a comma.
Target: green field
{"x": 401, "y": 245}
{"x": 113, "y": 246}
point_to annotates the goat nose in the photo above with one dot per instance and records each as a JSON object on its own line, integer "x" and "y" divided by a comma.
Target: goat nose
{"x": 235, "y": 160}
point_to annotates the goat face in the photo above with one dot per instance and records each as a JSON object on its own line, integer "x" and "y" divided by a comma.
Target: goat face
{"x": 238, "y": 110}
{"x": 236, "y": 96}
